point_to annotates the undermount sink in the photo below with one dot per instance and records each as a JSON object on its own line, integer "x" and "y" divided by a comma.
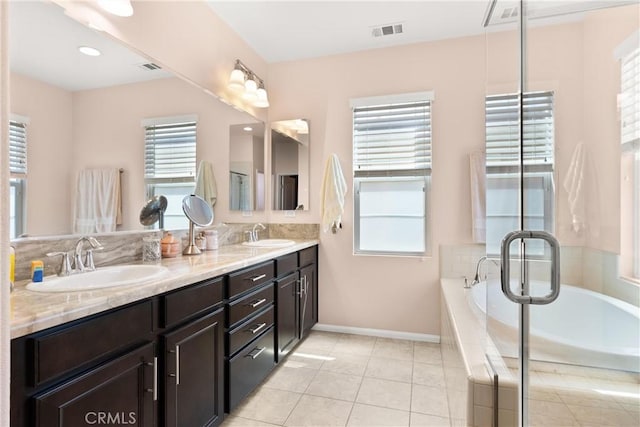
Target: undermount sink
{"x": 102, "y": 277}
{"x": 270, "y": 243}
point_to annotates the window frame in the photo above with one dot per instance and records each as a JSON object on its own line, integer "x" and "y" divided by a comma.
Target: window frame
{"x": 18, "y": 174}
{"x": 540, "y": 156}
{"x": 420, "y": 174}
{"x": 154, "y": 185}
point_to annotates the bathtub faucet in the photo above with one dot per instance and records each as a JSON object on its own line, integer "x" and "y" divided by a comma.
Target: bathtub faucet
{"x": 476, "y": 278}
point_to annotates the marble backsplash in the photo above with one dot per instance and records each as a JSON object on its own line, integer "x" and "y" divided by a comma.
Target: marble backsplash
{"x": 126, "y": 246}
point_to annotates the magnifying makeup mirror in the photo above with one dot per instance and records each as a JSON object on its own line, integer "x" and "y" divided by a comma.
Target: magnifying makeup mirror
{"x": 153, "y": 211}
{"x": 199, "y": 213}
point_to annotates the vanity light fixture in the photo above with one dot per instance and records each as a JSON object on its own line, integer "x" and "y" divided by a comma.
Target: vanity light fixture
{"x": 117, "y": 7}
{"x": 243, "y": 80}
{"x": 247, "y": 128}
{"x": 89, "y": 51}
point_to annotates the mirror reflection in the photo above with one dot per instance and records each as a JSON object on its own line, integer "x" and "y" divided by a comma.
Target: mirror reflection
{"x": 79, "y": 113}
{"x": 246, "y": 167}
{"x": 290, "y": 164}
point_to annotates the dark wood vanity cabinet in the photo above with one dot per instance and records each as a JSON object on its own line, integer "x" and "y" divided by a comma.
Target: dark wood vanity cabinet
{"x": 182, "y": 358}
{"x": 119, "y": 392}
{"x": 193, "y": 372}
{"x": 249, "y": 336}
{"x": 297, "y": 298}
{"x": 117, "y": 367}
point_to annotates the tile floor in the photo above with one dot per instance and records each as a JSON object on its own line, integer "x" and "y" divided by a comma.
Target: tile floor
{"x": 351, "y": 380}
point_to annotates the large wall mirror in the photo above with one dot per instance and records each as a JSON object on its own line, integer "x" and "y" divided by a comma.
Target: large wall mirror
{"x": 290, "y": 164}
{"x": 84, "y": 112}
{"x": 246, "y": 167}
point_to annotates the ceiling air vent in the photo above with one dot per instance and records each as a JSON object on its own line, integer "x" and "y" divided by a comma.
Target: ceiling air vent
{"x": 386, "y": 30}
{"x": 509, "y": 12}
{"x": 150, "y": 66}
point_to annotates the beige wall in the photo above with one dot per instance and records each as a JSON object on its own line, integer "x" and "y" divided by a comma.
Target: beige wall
{"x": 49, "y": 153}
{"x": 402, "y": 293}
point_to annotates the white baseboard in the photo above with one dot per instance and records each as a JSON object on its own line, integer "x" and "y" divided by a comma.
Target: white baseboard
{"x": 382, "y": 333}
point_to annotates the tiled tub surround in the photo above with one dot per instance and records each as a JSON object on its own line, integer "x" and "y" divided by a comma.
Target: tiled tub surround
{"x": 126, "y": 246}
{"x": 588, "y": 268}
{"x": 560, "y": 395}
{"x": 34, "y": 311}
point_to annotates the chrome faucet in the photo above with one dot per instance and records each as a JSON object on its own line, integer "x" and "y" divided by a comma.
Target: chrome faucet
{"x": 253, "y": 234}
{"x": 87, "y": 264}
{"x": 476, "y": 278}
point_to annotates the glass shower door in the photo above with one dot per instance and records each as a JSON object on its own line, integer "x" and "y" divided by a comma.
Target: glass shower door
{"x": 570, "y": 159}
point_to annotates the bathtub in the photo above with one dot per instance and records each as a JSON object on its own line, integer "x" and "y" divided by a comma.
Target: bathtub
{"x": 581, "y": 327}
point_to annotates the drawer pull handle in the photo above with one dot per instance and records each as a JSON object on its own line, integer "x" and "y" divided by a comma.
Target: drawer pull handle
{"x": 256, "y": 352}
{"x": 153, "y": 390}
{"x": 258, "y": 328}
{"x": 256, "y": 278}
{"x": 177, "y": 365}
{"x": 257, "y": 303}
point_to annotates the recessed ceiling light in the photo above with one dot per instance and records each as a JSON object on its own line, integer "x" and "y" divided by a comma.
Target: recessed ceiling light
{"x": 247, "y": 128}
{"x": 89, "y": 51}
{"x": 117, "y": 7}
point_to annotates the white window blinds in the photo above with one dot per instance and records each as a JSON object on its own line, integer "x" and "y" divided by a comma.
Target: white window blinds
{"x": 170, "y": 152}
{"x": 392, "y": 140}
{"x": 17, "y": 149}
{"x": 502, "y": 130}
{"x": 630, "y": 100}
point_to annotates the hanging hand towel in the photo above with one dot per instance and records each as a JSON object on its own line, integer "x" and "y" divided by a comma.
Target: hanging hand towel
{"x": 206, "y": 183}
{"x": 98, "y": 201}
{"x": 334, "y": 188}
{"x": 478, "y": 196}
{"x": 574, "y": 185}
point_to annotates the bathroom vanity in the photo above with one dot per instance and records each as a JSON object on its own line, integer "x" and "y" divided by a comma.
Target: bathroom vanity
{"x": 185, "y": 354}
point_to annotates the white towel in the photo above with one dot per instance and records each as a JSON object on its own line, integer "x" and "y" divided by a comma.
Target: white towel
{"x": 206, "y": 183}
{"x": 574, "y": 185}
{"x": 478, "y": 196}
{"x": 98, "y": 201}
{"x": 334, "y": 188}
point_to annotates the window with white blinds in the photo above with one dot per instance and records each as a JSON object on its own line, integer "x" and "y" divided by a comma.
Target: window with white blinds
{"x": 170, "y": 152}
{"x": 392, "y": 140}
{"x": 17, "y": 149}
{"x": 505, "y": 184}
{"x": 630, "y": 100}
{"x": 391, "y": 170}
{"x": 502, "y": 131}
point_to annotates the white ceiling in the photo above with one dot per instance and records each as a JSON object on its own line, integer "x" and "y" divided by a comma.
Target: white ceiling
{"x": 44, "y": 41}
{"x": 298, "y": 29}
{"x": 292, "y": 30}
{"x": 43, "y": 44}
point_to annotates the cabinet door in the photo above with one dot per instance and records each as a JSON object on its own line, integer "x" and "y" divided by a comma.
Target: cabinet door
{"x": 308, "y": 299}
{"x": 119, "y": 392}
{"x": 193, "y": 373}
{"x": 288, "y": 308}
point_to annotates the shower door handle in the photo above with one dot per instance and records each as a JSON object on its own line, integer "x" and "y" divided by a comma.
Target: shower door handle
{"x": 555, "y": 267}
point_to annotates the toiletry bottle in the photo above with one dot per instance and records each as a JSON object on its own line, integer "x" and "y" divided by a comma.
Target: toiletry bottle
{"x": 37, "y": 271}
{"x": 12, "y": 266}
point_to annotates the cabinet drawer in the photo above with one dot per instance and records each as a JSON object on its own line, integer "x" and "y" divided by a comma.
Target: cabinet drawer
{"x": 249, "y": 367}
{"x": 286, "y": 264}
{"x": 245, "y": 280}
{"x": 61, "y": 351}
{"x": 308, "y": 256}
{"x": 250, "y": 329}
{"x": 249, "y": 305}
{"x": 191, "y": 301}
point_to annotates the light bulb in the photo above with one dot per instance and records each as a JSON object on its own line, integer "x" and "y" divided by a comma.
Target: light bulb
{"x": 236, "y": 80}
{"x": 117, "y": 7}
{"x": 261, "y": 98}
{"x": 250, "y": 90}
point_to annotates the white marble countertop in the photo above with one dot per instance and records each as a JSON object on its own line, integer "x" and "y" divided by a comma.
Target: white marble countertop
{"x": 35, "y": 311}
